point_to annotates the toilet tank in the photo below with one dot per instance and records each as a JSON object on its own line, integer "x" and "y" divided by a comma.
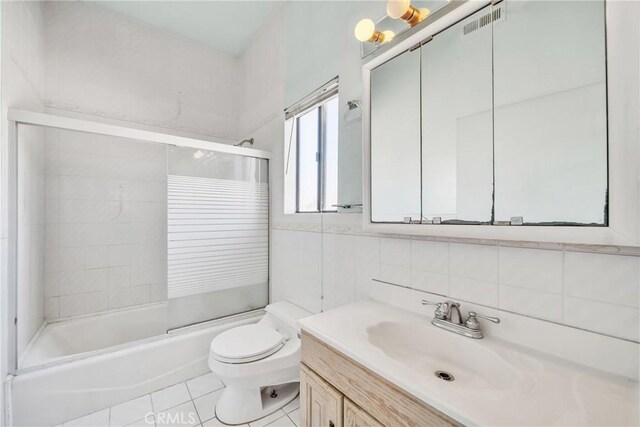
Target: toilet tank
{"x": 286, "y": 313}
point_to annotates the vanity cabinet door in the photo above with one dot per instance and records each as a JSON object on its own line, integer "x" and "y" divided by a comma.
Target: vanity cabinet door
{"x": 320, "y": 403}
{"x": 354, "y": 416}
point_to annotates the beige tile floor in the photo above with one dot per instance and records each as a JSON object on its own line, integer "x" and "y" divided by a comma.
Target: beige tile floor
{"x": 189, "y": 404}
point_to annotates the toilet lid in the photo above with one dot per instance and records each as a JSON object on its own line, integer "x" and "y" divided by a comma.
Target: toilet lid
{"x": 246, "y": 343}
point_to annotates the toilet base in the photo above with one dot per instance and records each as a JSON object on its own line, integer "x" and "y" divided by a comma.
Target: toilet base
{"x": 241, "y": 406}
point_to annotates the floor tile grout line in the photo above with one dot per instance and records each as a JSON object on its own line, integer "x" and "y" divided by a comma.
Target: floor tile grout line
{"x": 193, "y": 402}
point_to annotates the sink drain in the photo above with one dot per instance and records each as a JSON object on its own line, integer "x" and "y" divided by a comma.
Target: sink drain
{"x": 445, "y": 376}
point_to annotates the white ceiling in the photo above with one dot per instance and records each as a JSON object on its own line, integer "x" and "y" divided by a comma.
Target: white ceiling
{"x": 227, "y": 26}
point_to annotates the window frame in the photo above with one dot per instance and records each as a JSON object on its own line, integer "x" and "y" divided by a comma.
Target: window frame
{"x": 321, "y": 108}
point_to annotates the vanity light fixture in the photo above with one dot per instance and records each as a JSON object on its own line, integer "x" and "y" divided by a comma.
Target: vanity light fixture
{"x": 402, "y": 9}
{"x": 365, "y": 31}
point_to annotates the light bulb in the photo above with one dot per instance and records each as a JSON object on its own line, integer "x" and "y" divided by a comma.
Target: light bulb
{"x": 402, "y": 9}
{"x": 397, "y": 8}
{"x": 365, "y": 31}
{"x": 388, "y": 35}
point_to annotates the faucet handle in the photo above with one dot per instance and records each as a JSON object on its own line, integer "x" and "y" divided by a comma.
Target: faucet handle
{"x": 482, "y": 316}
{"x": 472, "y": 321}
{"x": 425, "y": 302}
{"x": 442, "y": 308}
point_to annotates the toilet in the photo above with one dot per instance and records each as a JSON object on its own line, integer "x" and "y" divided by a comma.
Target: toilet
{"x": 259, "y": 364}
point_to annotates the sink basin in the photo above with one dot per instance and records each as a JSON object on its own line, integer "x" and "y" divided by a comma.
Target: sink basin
{"x": 426, "y": 349}
{"x": 491, "y": 375}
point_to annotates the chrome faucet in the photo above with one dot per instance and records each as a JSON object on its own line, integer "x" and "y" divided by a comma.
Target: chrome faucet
{"x": 448, "y": 316}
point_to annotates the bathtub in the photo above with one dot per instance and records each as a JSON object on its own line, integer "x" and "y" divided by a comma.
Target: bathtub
{"x": 83, "y": 334}
{"x": 63, "y": 377}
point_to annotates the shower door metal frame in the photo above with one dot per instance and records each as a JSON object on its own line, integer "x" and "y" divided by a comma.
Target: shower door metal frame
{"x": 16, "y": 117}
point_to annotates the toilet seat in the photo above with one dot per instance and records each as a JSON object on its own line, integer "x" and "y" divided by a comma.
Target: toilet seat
{"x": 246, "y": 343}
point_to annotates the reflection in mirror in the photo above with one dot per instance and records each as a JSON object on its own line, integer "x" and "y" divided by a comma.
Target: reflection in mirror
{"x": 550, "y": 112}
{"x": 395, "y": 139}
{"x": 457, "y": 138}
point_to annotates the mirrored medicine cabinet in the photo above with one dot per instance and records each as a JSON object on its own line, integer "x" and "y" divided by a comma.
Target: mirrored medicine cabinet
{"x": 498, "y": 119}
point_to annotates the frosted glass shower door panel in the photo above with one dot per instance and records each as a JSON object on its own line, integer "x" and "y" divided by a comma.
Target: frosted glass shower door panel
{"x": 218, "y": 235}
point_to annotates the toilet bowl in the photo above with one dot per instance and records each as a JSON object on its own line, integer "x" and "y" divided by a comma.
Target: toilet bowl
{"x": 259, "y": 364}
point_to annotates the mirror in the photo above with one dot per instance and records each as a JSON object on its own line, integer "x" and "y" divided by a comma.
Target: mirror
{"x": 395, "y": 139}
{"x": 550, "y": 116}
{"x": 457, "y": 134}
{"x": 511, "y": 126}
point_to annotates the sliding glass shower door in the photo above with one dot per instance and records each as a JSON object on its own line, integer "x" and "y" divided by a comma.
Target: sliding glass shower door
{"x": 218, "y": 235}
{"x": 122, "y": 239}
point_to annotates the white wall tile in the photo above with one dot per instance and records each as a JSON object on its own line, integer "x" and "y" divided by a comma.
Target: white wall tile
{"x": 531, "y": 268}
{"x": 51, "y": 308}
{"x": 96, "y": 279}
{"x": 430, "y": 282}
{"x": 119, "y": 277}
{"x": 72, "y": 258}
{"x": 395, "y": 275}
{"x": 309, "y": 241}
{"x": 52, "y": 284}
{"x": 368, "y": 248}
{"x": 475, "y": 291}
{"x": 607, "y": 278}
{"x": 395, "y": 252}
{"x": 72, "y": 282}
{"x": 96, "y": 256}
{"x": 72, "y": 305}
{"x": 365, "y": 271}
{"x": 339, "y": 280}
{"x": 533, "y": 303}
{"x": 340, "y": 244}
{"x": 479, "y": 262}
{"x": 430, "y": 256}
{"x": 119, "y": 255}
{"x": 127, "y": 297}
{"x": 308, "y": 263}
{"x": 615, "y": 320}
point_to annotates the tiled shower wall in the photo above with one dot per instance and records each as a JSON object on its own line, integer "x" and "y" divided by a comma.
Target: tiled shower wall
{"x": 105, "y": 233}
{"x": 594, "y": 291}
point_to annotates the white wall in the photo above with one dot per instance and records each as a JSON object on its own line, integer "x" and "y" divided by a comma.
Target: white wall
{"x": 23, "y": 86}
{"x": 103, "y": 64}
{"x": 77, "y": 59}
{"x": 321, "y": 262}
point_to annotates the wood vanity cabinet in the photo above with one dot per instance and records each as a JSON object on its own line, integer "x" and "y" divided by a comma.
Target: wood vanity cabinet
{"x": 336, "y": 391}
{"x": 323, "y": 404}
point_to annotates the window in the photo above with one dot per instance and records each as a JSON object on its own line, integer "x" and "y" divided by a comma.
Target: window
{"x": 311, "y": 154}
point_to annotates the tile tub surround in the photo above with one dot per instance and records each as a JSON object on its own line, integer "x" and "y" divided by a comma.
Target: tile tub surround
{"x": 559, "y": 284}
{"x": 106, "y": 227}
{"x": 189, "y": 403}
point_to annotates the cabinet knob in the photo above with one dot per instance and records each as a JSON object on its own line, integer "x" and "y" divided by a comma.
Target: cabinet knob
{"x": 331, "y": 424}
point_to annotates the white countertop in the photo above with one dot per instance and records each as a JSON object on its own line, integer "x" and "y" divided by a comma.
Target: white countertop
{"x": 496, "y": 383}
